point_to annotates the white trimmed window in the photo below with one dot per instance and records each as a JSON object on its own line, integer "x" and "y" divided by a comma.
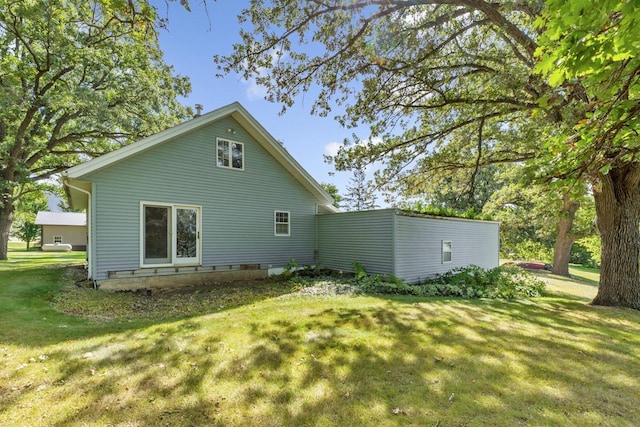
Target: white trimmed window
{"x": 447, "y": 250}
{"x": 282, "y": 223}
{"x": 230, "y": 154}
{"x": 57, "y": 239}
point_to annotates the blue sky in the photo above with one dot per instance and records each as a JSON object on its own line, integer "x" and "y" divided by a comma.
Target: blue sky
{"x": 189, "y": 44}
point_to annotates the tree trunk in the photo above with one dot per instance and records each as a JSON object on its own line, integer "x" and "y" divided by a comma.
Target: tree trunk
{"x": 617, "y": 198}
{"x": 6, "y": 219}
{"x": 565, "y": 237}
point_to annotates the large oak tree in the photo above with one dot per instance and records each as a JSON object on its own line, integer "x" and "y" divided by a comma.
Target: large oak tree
{"x": 460, "y": 76}
{"x": 78, "y": 78}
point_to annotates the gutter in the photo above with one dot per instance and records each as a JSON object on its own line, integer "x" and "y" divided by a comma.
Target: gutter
{"x": 89, "y": 224}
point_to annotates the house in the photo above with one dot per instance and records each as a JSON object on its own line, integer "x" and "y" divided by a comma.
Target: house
{"x": 216, "y": 194}
{"x": 63, "y": 228}
{"x": 215, "y": 198}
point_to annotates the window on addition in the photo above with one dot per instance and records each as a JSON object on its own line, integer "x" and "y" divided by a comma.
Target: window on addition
{"x": 447, "y": 250}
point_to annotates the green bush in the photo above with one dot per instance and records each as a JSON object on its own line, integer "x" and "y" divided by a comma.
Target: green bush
{"x": 580, "y": 254}
{"x": 592, "y": 246}
{"x": 506, "y": 282}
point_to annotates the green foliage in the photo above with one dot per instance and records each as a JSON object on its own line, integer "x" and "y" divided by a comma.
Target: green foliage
{"x": 359, "y": 270}
{"x": 419, "y": 207}
{"x": 593, "y": 247}
{"x": 360, "y": 193}
{"x": 27, "y": 232}
{"x": 30, "y": 199}
{"x": 581, "y": 255}
{"x": 437, "y": 93}
{"x": 590, "y": 49}
{"x": 506, "y": 282}
{"x": 529, "y": 250}
{"x": 291, "y": 267}
{"x": 334, "y": 192}
{"x": 79, "y": 79}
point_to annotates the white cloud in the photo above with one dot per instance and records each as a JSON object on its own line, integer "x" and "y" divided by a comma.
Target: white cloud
{"x": 373, "y": 141}
{"x": 254, "y": 90}
{"x": 331, "y": 149}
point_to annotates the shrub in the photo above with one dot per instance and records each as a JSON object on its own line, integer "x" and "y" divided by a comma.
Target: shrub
{"x": 506, "y": 282}
{"x": 592, "y": 245}
{"x": 581, "y": 255}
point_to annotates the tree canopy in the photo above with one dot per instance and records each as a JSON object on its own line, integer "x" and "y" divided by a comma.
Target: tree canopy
{"x": 468, "y": 83}
{"x": 77, "y": 79}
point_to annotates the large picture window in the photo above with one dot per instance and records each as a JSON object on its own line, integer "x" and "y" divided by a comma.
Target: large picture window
{"x": 282, "y": 223}
{"x": 230, "y": 154}
{"x": 170, "y": 234}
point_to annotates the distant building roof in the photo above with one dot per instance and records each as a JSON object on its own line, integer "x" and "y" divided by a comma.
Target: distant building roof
{"x": 61, "y": 218}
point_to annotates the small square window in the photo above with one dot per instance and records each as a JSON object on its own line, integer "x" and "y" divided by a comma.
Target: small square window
{"x": 281, "y": 227}
{"x": 57, "y": 239}
{"x": 447, "y": 250}
{"x": 230, "y": 154}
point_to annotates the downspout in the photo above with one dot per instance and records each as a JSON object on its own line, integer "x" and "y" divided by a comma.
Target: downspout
{"x": 89, "y": 234}
{"x": 315, "y": 250}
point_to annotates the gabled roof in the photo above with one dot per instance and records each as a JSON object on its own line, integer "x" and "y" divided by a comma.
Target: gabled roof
{"x": 61, "y": 218}
{"x": 79, "y": 189}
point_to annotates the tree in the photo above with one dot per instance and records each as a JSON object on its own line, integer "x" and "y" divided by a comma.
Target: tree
{"x": 27, "y": 232}
{"x": 334, "y": 192}
{"x": 360, "y": 195}
{"x": 31, "y": 199}
{"x": 462, "y": 73}
{"x": 77, "y": 79}
{"x": 457, "y": 189}
{"x": 590, "y": 49}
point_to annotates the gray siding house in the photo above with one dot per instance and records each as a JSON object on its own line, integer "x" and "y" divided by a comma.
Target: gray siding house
{"x": 218, "y": 198}
{"x": 214, "y": 194}
{"x": 404, "y": 244}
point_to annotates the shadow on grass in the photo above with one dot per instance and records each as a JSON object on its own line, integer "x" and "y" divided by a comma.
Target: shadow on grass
{"x": 29, "y": 297}
{"x": 580, "y": 273}
{"x": 363, "y": 361}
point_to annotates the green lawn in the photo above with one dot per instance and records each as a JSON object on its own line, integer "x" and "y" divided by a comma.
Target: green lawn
{"x": 317, "y": 361}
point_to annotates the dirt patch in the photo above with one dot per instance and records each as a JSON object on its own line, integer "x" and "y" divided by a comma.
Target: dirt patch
{"x": 258, "y": 285}
{"x": 326, "y": 288}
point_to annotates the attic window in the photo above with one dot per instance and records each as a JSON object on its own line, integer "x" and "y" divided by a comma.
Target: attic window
{"x": 230, "y": 154}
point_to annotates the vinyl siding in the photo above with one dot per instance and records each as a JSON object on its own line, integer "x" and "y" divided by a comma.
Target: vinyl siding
{"x": 365, "y": 236}
{"x": 76, "y": 236}
{"x": 237, "y": 205}
{"x": 419, "y": 245}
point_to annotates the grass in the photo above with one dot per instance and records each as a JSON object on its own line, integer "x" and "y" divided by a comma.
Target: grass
{"x": 20, "y": 259}
{"x": 316, "y": 361}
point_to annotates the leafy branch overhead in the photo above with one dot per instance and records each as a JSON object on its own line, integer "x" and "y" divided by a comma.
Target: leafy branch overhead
{"x": 433, "y": 70}
{"x": 596, "y": 55}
